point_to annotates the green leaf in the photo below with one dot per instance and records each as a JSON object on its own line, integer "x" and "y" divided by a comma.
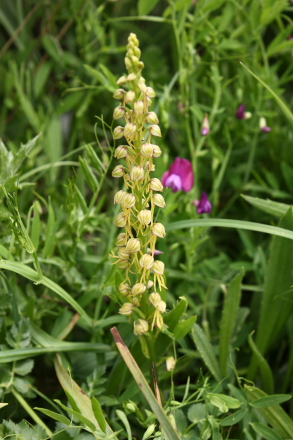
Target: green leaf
{"x": 184, "y": 327}
{"x": 274, "y": 415}
{"x": 197, "y": 412}
{"x": 146, "y": 6}
{"x": 229, "y": 315}
{"x": 274, "y": 399}
{"x": 79, "y": 416}
{"x": 233, "y": 418}
{"x": 50, "y": 233}
{"x": 267, "y": 375}
{"x": 236, "y": 224}
{"x": 88, "y": 174}
{"x": 36, "y": 228}
{"x": 169, "y": 431}
{"x": 125, "y": 422}
{"x": 98, "y": 412}
{"x": 274, "y": 208}
{"x": 55, "y": 416}
{"x": 24, "y": 367}
{"x": 223, "y": 402}
{"x": 275, "y": 309}
{"x": 265, "y": 431}
{"x": 206, "y": 351}
{"x": 5, "y": 300}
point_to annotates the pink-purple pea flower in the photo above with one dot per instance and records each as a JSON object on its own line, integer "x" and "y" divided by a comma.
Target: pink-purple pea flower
{"x": 180, "y": 176}
{"x": 263, "y": 125}
{"x": 203, "y": 205}
{"x": 205, "y": 126}
{"x": 241, "y": 113}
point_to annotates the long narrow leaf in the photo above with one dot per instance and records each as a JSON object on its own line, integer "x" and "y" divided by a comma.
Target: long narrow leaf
{"x": 225, "y": 223}
{"x": 266, "y": 372}
{"x": 144, "y": 386}
{"x": 206, "y": 351}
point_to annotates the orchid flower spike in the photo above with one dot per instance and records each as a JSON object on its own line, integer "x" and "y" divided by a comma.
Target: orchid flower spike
{"x": 180, "y": 176}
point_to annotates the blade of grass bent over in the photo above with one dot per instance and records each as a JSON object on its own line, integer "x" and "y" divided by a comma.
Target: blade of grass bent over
{"x": 285, "y": 109}
{"x": 144, "y": 386}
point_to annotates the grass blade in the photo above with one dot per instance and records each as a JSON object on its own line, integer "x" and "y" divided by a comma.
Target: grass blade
{"x": 206, "y": 351}
{"x": 170, "y": 432}
{"x": 267, "y": 375}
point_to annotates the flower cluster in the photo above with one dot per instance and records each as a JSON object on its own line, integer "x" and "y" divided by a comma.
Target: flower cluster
{"x": 136, "y": 245}
{"x": 242, "y": 114}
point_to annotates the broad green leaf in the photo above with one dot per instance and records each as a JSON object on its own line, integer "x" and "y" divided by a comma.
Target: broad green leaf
{"x": 184, "y": 327}
{"x": 265, "y": 431}
{"x": 229, "y": 315}
{"x": 32, "y": 275}
{"x": 197, "y": 412}
{"x": 55, "y": 416}
{"x": 285, "y": 109}
{"x": 274, "y": 399}
{"x": 144, "y": 386}
{"x": 146, "y": 6}
{"x": 206, "y": 351}
{"x": 274, "y": 208}
{"x": 98, "y": 412}
{"x": 236, "y": 224}
{"x": 233, "y": 418}
{"x": 223, "y": 402}
{"x": 266, "y": 372}
{"x": 275, "y": 309}
{"x": 80, "y": 397}
{"x": 274, "y": 415}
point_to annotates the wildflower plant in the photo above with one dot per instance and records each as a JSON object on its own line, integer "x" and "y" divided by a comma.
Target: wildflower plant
{"x": 136, "y": 245}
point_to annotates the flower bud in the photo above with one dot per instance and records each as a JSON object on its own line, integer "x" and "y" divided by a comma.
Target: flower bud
{"x": 131, "y": 77}
{"x": 124, "y": 289}
{"x": 128, "y": 63}
{"x": 161, "y": 307}
{"x": 118, "y": 132}
{"x": 150, "y": 284}
{"x": 118, "y": 171}
{"x": 149, "y": 101}
{"x": 134, "y": 60}
{"x": 159, "y": 230}
{"x": 138, "y": 289}
{"x": 158, "y": 200}
{"x": 123, "y": 254}
{"x": 155, "y": 298}
{"x": 155, "y": 130}
{"x": 123, "y": 264}
{"x": 205, "y": 126}
{"x": 140, "y": 327}
{"x": 119, "y": 196}
{"x": 126, "y": 309}
{"x": 121, "y": 240}
{"x": 129, "y": 130}
{"x": 130, "y": 96}
{"x": 147, "y": 150}
{"x": 145, "y": 217}
{"x": 158, "y": 267}
{"x": 136, "y": 173}
{"x": 118, "y": 113}
{"x": 142, "y": 86}
{"x": 139, "y": 107}
{"x": 156, "y": 185}
{"x": 130, "y": 407}
{"x": 121, "y": 220}
{"x": 122, "y": 80}
{"x": 137, "y": 52}
{"x": 152, "y": 118}
{"x": 119, "y": 94}
{"x": 128, "y": 201}
{"x": 150, "y": 92}
{"x": 156, "y": 151}
{"x": 133, "y": 245}
{"x": 135, "y": 301}
{"x": 170, "y": 363}
{"x": 146, "y": 261}
{"x": 121, "y": 152}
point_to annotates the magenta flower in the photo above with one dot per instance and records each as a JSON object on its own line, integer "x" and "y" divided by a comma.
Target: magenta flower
{"x": 180, "y": 176}
{"x": 241, "y": 113}
{"x": 203, "y": 205}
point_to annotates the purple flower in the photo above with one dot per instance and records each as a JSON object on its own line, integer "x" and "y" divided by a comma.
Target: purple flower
{"x": 241, "y": 113}
{"x": 180, "y": 176}
{"x": 263, "y": 125}
{"x": 203, "y": 205}
{"x": 205, "y": 126}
